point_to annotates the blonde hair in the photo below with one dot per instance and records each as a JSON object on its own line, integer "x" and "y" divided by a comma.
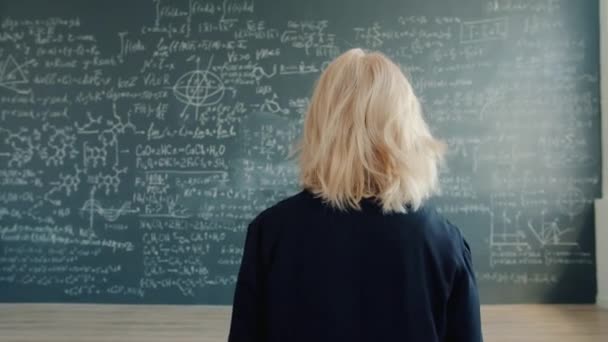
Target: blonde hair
{"x": 364, "y": 136}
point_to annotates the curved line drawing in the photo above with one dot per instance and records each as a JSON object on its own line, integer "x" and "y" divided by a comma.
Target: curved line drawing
{"x": 93, "y": 206}
{"x": 23, "y": 145}
{"x": 273, "y": 106}
{"x": 199, "y": 88}
{"x": 60, "y": 145}
{"x": 259, "y": 73}
{"x": 572, "y": 201}
{"x": 110, "y": 214}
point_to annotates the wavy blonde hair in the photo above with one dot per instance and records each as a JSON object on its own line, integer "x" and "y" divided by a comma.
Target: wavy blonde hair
{"x": 364, "y": 136}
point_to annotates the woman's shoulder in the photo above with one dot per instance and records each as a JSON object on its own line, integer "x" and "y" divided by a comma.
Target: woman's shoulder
{"x": 426, "y": 220}
{"x": 436, "y": 223}
{"x": 285, "y": 207}
{"x": 443, "y": 234}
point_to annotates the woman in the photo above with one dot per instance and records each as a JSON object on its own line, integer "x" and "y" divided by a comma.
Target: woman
{"x": 358, "y": 255}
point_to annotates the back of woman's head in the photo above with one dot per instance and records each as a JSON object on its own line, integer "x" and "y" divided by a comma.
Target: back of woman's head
{"x": 364, "y": 136}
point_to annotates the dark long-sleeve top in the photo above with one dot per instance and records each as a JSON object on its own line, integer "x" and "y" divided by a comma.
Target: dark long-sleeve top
{"x": 313, "y": 273}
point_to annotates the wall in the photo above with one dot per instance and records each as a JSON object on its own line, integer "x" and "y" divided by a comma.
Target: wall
{"x": 601, "y": 206}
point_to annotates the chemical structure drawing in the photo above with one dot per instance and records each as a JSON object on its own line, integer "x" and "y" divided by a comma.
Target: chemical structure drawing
{"x": 108, "y": 182}
{"x": 198, "y": 88}
{"x": 60, "y": 145}
{"x": 67, "y": 183}
{"x": 259, "y": 73}
{"x": 13, "y": 76}
{"x": 97, "y": 155}
{"x": 117, "y": 126}
{"x": 94, "y": 155}
{"x": 551, "y": 233}
{"x": 87, "y": 128}
{"x": 272, "y": 106}
{"x": 33, "y": 213}
{"x": 92, "y": 207}
{"x": 22, "y": 143}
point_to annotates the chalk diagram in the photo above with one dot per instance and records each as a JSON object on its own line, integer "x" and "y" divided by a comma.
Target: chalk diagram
{"x": 95, "y": 155}
{"x": 109, "y": 182}
{"x": 572, "y": 201}
{"x": 23, "y": 145}
{"x": 271, "y": 105}
{"x": 92, "y": 207}
{"x": 13, "y": 76}
{"x": 551, "y": 233}
{"x": 198, "y": 88}
{"x": 60, "y": 145}
{"x": 502, "y": 234}
{"x": 259, "y": 73}
{"x": 67, "y": 183}
{"x": 510, "y": 231}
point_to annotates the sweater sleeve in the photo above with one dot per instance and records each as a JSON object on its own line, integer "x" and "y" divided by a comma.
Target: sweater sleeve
{"x": 247, "y": 322}
{"x": 463, "y": 316}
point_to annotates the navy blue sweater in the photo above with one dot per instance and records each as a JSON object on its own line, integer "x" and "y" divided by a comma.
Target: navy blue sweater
{"x": 312, "y": 273}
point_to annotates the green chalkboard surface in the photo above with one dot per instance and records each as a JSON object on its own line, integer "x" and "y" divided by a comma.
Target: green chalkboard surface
{"x": 138, "y": 138}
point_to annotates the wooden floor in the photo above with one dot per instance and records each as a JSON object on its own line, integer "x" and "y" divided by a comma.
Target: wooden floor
{"x": 89, "y": 322}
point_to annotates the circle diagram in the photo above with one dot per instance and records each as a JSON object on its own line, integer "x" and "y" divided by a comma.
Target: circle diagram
{"x": 199, "y": 88}
{"x": 572, "y": 201}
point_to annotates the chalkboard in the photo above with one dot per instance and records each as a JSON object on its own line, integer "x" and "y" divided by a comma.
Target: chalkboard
{"x": 138, "y": 138}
